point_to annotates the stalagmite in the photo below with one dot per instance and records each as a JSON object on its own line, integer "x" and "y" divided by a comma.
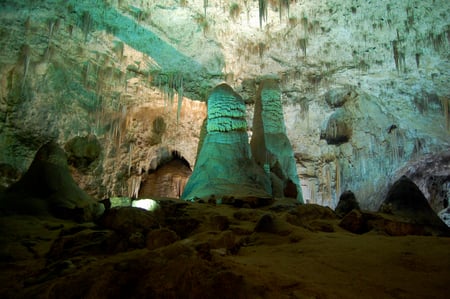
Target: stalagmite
{"x": 224, "y": 166}
{"x": 270, "y": 146}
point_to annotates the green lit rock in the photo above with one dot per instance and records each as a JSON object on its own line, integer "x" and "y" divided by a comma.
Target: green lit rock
{"x": 226, "y": 111}
{"x": 47, "y": 188}
{"x": 270, "y": 145}
{"x": 224, "y": 166}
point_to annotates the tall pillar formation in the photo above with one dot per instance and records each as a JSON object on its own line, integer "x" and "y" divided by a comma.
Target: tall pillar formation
{"x": 224, "y": 166}
{"x": 270, "y": 145}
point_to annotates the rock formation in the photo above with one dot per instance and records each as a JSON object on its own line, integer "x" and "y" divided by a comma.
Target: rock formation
{"x": 338, "y": 129}
{"x": 136, "y": 74}
{"x": 168, "y": 180}
{"x": 48, "y": 188}
{"x": 405, "y": 199}
{"x": 224, "y": 166}
{"x": 347, "y": 202}
{"x": 83, "y": 151}
{"x": 270, "y": 145}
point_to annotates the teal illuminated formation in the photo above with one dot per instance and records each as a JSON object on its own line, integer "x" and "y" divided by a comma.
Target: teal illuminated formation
{"x": 224, "y": 166}
{"x": 226, "y": 111}
{"x": 270, "y": 146}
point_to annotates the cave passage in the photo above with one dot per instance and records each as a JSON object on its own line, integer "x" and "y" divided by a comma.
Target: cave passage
{"x": 168, "y": 179}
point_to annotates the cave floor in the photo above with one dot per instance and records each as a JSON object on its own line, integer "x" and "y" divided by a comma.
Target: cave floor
{"x": 287, "y": 261}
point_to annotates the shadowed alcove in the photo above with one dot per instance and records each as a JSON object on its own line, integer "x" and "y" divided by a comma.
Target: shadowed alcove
{"x": 168, "y": 179}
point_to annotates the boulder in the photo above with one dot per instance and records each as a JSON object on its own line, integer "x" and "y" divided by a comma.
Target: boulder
{"x": 270, "y": 145}
{"x": 224, "y": 167}
{"x": 160, "y": 237}
{"x": 359, "y": 222}
{"x": 83, "y": 241}
{"x": 48, "y": 188}
{"x": 248, "y": 201}
{"x": 356, "y": 222}
{"x": 312, "y": 217}
{"x": 347, "y": 202}
{"x": 265, "y": 224}
{"x": 128, "y": 220}
{"x": 310, "y": 212}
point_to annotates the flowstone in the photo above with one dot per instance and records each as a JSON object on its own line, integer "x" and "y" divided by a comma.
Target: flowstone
{"x": 224, "y": 166}
{"x": 270, "y": 145}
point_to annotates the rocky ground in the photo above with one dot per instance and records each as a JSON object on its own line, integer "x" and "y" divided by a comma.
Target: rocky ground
{"x": 205, "y": 250}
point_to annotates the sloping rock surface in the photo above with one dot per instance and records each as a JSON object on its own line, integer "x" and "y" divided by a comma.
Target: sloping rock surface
{"x": 48, "y": 188}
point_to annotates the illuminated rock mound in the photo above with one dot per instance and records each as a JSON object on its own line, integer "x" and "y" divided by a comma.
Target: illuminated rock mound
{"x": 224, "y": 166}
{"x": 270, "y": 145}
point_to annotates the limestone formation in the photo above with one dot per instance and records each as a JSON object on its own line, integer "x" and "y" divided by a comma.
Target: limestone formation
{"x": 405, "y": 199}
{"x": 270, "y": 145}
{"x": 347, "y": 202}
{"x": 168, "y": 180}
{"x": 47, "y": 187}
{"x": 338, "y": 129}
{"x": 83, "y": 151}
{"x": 338, "y": 97}
{"x": 224, "y": 166}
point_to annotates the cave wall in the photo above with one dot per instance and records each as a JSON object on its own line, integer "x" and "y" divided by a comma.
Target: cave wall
{"x": 364, "y": 84}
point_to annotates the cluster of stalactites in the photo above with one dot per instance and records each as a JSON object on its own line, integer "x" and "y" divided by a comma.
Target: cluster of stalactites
{"x": 226, "y": 110}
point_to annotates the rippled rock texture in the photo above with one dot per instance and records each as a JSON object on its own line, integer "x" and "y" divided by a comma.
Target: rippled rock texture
{"x": 224, "y": 166}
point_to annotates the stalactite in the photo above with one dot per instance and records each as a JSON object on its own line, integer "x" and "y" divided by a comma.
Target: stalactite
{"x": 235, "y": 10}
{"x": 417, "y": 60}
{"x": 304, "y": 111}
{"x": 51, "y": 27}
{"x": 312, "y": 188}
{"x": 180, "y": 100}
{"x": 134, "y": 186}
{"x": 262, "y": 12}
{"x": 304, "y": 22}
{"x": 394, "y": 145}
{"x": 86, "y": 24}
{"x": 326, "y": 190}
{"x": 118, "y": 50}
{"x": 338, "y": 179}
{"x": 283, "y": 4}
{"x": 395, "y": 52}
{"x": 130, "y": 155}
{"x": 27, "y": 24}
{"x": 445, "y": 103}
{"x": 25, "y": 57}
{"x": 85, "y": 74}
{"x": 302, "y": 43}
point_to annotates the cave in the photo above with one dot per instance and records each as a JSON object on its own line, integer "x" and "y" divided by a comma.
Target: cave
{"x": 167, "y": 180}
{"x": 224, "y": 149}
